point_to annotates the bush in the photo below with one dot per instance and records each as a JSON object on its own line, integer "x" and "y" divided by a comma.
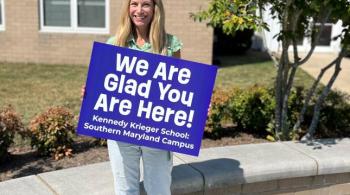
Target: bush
{"x": 252, "y": 109}
{"x": 52, "y": 132}
{"x": 10, "y": 124}
{"x": 295, "y": 104}
{"x": 101, "y": 142}
{"x": 218, "y": 112}
{"x": 335, "y": 116}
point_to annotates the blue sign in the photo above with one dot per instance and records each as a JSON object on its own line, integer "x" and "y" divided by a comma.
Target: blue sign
{"x": 146, "y": 99}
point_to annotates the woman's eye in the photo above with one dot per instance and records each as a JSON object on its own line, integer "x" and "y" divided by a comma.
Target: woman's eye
{"x": 146, "y": 5}
{"x": 133, "y": 4}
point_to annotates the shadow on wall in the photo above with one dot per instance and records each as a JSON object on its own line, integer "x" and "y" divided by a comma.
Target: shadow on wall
{"x": 221, "y": 173}
{"x": 236, "y": 44}
{"x": 236, "y": 49}
{"x": 318, "y": 144}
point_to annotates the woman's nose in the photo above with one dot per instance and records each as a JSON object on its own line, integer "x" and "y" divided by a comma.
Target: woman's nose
{"x": 139, "y": 8}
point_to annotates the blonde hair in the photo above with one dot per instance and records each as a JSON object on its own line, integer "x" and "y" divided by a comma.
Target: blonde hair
{"x": 157, "y": 33}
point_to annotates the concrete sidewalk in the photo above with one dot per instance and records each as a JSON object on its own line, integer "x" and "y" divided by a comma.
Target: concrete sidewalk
{"x": 320, "y": 60}
{"x": 242, "y": 169}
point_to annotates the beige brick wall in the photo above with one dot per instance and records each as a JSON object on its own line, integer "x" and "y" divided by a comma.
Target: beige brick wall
{"x": 22, "y": 40}
{"x": 196, "y": 37}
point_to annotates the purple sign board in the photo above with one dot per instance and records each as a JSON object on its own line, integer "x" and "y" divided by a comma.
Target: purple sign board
{"x": 146, "y": 99}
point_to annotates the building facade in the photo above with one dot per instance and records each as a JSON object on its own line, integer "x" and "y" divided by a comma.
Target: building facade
{"x": 63, "y": 31}
{"x": 267, "y": 40}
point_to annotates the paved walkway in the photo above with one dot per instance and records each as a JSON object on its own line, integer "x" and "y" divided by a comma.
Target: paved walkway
{"x": 318, "y": 61}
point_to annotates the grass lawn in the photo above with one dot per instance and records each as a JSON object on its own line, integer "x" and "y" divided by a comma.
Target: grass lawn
{"x": 32, "y": 88}
{"x": 254, "y": 68}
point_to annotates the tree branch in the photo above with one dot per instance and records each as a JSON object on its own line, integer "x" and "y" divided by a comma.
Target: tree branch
{"x": 311, "y": 93}
{"x": 320, "y": 100}
{"x": 315, "y": 37}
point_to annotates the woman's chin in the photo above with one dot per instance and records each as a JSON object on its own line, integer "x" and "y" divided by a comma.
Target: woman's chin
{"x": 140, "y": 24}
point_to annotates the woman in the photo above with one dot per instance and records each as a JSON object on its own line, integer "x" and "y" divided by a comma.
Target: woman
{"x": 142, "y": 28}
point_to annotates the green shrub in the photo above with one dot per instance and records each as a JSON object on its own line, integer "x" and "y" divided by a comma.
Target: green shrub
{"x": 100, "y": 142}
{"x": 52, "y": 132}
{"x": 252, "y": 109}
{"x": 10, "y": 124}
{"x": 218, "y": 112}
{"x": 295, "y": 104}
{"x": 335, "y": 116}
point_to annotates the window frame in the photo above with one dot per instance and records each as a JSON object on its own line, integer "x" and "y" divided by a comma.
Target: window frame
{"x": 74, "y": 28}
{"x": 2, "y": 25}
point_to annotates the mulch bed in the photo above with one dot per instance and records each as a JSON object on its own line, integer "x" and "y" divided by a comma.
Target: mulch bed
{"x": 24, "y": 160}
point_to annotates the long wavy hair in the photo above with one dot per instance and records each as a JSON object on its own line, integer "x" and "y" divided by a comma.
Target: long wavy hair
{"x": 157, "y": 33}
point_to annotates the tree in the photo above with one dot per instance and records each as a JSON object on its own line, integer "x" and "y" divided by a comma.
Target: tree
{"x": 297, "y": 19}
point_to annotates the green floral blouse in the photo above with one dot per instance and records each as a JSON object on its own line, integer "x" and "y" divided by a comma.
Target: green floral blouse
{"x": 174, "y": 44}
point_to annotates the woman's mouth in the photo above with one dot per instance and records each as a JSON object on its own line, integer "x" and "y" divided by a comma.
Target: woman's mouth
{"x": 140, "y": 17}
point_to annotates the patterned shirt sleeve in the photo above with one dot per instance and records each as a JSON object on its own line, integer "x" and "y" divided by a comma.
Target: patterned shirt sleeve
{"x": 111, "y": 40}
{"x": 174, "y": 44}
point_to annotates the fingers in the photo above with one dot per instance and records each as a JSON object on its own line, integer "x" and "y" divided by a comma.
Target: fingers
{"x": 82, "y": 92}
{"x": 209, "y": 108}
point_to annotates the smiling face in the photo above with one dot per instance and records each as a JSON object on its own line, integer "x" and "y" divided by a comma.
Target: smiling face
{"x": 141, "y": 12}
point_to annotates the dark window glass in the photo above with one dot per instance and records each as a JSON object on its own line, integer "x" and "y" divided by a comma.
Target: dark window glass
{"x": 326, "y": 36}
{"x": 57, "y": 13}
{"x": 91, "y": 13}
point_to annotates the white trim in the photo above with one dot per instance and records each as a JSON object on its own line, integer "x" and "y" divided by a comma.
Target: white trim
{"x": 272, "y": 45}
{"x": 74, "y": 14}
{"x": 74, "y": 21}
{"x": 2, "y": 25}
{"x": 107, "y": 16}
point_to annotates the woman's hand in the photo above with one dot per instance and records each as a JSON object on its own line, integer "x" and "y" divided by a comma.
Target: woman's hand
{"x": 82, "y": 92}
{"x": 209, "y": 109}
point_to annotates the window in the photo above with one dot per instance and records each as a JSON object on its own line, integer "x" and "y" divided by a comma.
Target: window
{"x": 81, "y": 16}
{"x": 325, "y": 38}
{"x": 2, "y": 15}
{"x": 91, "y": 13}
{"x": 57, "y": 13}
{"x": 325, "y": 34}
